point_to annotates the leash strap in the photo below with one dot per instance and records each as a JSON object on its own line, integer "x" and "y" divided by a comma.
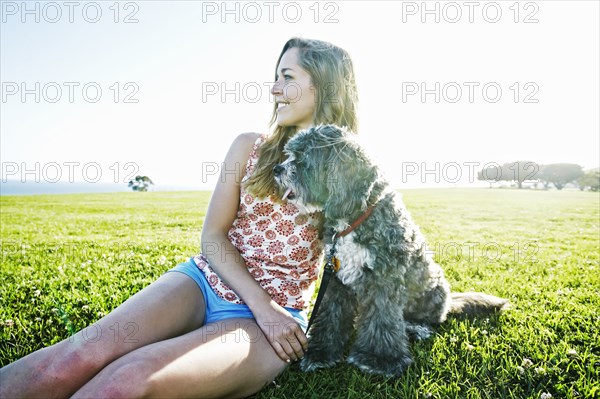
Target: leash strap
{"x": 331, "y": 266}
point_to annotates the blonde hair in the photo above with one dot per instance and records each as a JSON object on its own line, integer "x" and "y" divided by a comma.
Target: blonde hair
{"x": 332, "y": 75}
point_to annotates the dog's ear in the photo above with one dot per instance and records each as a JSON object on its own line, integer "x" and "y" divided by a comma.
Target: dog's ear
{"x": 350, "y": 181}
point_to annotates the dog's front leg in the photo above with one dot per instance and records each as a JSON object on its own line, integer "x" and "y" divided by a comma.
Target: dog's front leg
{"x": 332, "y": 327}
{"x": 382, "y": 345}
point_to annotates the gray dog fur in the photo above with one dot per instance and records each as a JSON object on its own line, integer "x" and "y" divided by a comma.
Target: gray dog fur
{"x": 388, "y": 286}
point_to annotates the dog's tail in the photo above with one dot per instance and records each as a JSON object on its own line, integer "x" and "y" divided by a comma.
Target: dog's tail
{"x": 476, "y": 303}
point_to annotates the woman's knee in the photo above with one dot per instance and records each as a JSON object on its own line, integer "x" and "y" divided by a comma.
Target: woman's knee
{"x": 60, "y": 361}
{"x": 264, "y": 376}
{"x": 126, "y": 380}
{"x": 87, "y": 353}
{"x": 265, "y": 367}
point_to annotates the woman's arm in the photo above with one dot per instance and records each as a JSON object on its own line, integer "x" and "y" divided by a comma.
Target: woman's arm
{"x": 284, "y": 334}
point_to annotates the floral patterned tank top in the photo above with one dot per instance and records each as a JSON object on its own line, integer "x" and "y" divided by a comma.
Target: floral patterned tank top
{"x": 280, "y": 246}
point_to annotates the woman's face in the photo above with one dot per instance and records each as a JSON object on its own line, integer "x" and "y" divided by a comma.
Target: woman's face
{"x": 294, "y": 93}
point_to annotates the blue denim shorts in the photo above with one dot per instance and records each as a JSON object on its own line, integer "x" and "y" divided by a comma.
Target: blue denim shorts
{"x": 218, "y": 308}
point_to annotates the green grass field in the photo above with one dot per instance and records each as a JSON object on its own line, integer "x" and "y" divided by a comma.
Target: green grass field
{"x": 69, "y": 259}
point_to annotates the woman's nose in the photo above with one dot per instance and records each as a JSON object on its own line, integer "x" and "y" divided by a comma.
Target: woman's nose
{"x": 276, "y": 89}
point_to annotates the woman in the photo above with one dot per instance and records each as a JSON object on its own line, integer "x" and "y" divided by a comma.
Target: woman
{"x": 230, "y": 320}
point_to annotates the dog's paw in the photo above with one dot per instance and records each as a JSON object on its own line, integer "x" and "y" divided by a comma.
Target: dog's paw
{"x": 313, "y": 361}
{"x": 389, "y": 367}
{"x": 418, "y": 332}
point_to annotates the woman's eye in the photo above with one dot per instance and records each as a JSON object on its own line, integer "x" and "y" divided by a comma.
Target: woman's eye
{"x": 285, "y": 77}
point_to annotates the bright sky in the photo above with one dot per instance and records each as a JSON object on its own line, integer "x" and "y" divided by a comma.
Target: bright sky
{"x": 87, "y": 96}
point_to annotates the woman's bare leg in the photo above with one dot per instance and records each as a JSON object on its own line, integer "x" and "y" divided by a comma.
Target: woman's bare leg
{"x": 229, "y": 358}
{"x": 171, "y": 306}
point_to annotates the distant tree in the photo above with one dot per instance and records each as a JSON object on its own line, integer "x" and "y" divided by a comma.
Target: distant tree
{"x": 590, "y": 179}
{"x": 518, "y": 171}
{"x": 560, "y": 174}
{"x": 491, "y": 174}
{"x": 140, "y": 183}
{"x": 521, "y": 171}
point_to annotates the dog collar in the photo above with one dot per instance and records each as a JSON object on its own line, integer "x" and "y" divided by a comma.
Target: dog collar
{"x": 356, "y": 223}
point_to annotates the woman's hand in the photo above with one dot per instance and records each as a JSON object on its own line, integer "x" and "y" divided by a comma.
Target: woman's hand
{"x": 283, "y": 332}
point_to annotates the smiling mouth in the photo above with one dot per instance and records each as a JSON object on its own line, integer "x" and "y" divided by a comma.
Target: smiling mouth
{"x": 282, "y": 105}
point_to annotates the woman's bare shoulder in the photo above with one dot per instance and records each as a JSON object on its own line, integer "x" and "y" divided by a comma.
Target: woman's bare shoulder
{"x": 242, "y": 146}
{"x": 247, "y": 139}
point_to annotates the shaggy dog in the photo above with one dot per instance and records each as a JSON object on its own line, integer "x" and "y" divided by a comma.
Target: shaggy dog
{"x": 388, "y": 286}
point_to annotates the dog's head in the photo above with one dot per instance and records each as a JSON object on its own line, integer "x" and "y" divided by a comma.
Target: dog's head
{"x": 326, "y": 170}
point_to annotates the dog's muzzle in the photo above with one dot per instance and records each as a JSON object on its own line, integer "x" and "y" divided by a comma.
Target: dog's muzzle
{"x": 277, "y": 171}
